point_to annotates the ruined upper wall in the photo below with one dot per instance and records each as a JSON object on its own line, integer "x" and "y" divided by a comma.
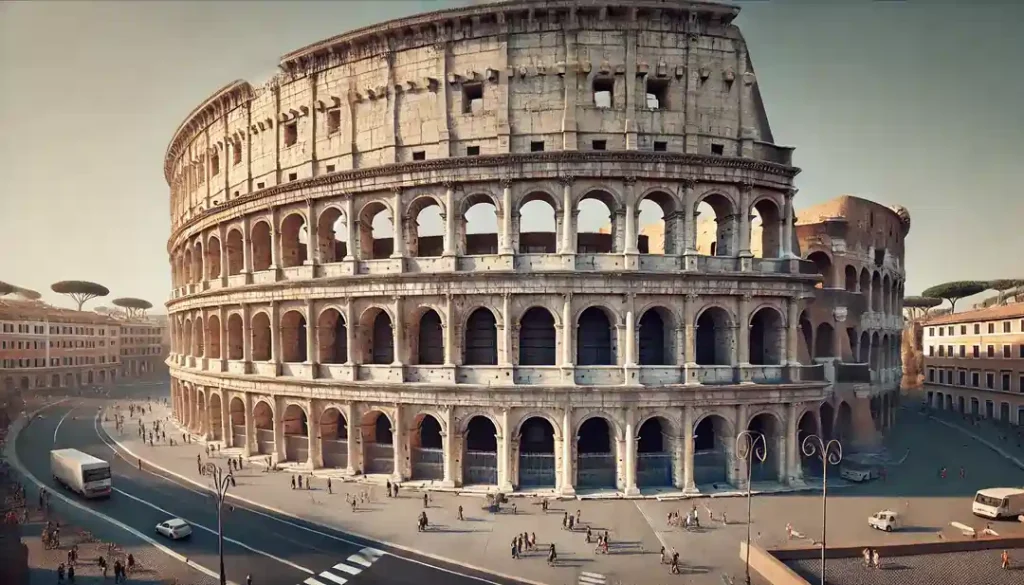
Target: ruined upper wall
{"x": 850, "y": 225}
{"x": 510, "y": 77}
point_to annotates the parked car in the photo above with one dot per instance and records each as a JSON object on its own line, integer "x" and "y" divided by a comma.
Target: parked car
{"x": 857, "y": 473}
{"x": 175, "y": 529}
{"x": 886, "y": 520}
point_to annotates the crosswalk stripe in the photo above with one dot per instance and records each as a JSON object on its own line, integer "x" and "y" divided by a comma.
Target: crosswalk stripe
{"x": 359, "y": 559}
{"x": 348, "y": 569}
{"x": 333, "y": 577}
{"x": 312, "y": 581}
{"x": 592, "y": 575}
{"x": 591, "y": 578}
{"x": 373, "y": 552}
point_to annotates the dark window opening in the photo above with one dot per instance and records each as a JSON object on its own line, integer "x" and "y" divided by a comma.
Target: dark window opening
{"x": 718, "y": 149}
{"x": 600, "y": 145}
{"x": 472, "y": 150}
{"x": 419, "y": 155}
{"x": 330, "y": 168}
{"x": 879, "y": 257}
{"x": 235, "y": 194}
{"x": 537, "y": 146}
{"x": 657, "y": 94}
{"x": 236, "y": 153}
{"x": 291, "y": 134}
{"x": 293, "y": 176}
{"x": 260, "y": 185}
{"x": 660, "y": 146}
{"x": 215, "y": 165}
{"x": 333, "y": 121}
{"x": 472, "y": 98}
{"x": 604, "y": 92}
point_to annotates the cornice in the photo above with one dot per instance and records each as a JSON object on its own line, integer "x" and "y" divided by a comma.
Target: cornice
{"x": 233, "y": 93}
{"x": 507, "y": 162}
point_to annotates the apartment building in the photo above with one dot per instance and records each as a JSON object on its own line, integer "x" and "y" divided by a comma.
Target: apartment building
{"x": 974, "y": 362}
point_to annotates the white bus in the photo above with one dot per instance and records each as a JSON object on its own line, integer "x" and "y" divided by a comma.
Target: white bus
{"x": 80, "y": 472}
{"x": 998, "y": 503}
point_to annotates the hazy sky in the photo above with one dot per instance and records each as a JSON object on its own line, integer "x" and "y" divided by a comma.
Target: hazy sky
{"x": 919, "y": 104}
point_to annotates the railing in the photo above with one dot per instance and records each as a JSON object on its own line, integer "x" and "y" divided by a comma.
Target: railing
{"x": 335, "y": 452}
{"x": 654, "y": 469}
{"x": 380, "y": 458}
{"x": 427, "y": 463}
{"x": 716, "y": 375}
{"x": 765, "y": 374}
{"x": 710, "y": 467}
{"x": 815, "y": 373}
{"x": 296, "y": 448}
{"x": 536, "y": 469}
{"x": 853, "y": 373}
{"x": 238, "y": 435}
{"x": 537, "y": 375}
{"x": 773, "y": 153}
{"x": 599, "y": 375}
{"x": 595, "y": 470}
{"x": 481, "y": 467}
{"x": 265, "y": 441}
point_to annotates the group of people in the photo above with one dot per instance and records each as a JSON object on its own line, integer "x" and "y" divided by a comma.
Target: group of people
{"x": 871, "y": 558}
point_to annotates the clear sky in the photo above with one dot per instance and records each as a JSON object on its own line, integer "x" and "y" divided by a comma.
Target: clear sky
{"x": 918, "y": 103}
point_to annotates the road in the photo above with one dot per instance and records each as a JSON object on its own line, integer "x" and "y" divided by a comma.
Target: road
{"x": 270, "y": 549}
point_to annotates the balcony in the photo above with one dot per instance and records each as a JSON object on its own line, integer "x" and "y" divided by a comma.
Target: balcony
{"x": 815, "y": 373}
{"x": 853, "y": 373}
{"x": 430, "y": 374}
{"x": 540, "y": 375}
{"x": 768, "y": 152}
{"x": 712, "y": 375}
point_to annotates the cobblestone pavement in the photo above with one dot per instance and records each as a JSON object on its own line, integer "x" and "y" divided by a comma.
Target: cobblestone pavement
{"x": 974, "y": 567}
{"x": 638, "y": 527}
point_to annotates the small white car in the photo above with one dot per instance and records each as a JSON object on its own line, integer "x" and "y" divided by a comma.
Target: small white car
{"x": 175, "y": 529}
{"x": 886, "y": 520}
{"x": 858, "y": 474}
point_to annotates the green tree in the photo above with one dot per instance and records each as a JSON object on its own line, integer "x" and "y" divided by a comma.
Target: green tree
{"x": 133, "y": 307}
{"x": 80, "y": 291}
{"x": 918, "y": 307}
{"x": 956, "y": 290}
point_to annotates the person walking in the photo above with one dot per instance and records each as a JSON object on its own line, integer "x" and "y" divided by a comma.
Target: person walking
{"x": 1005, "y": 559}
{"x": 71, "y": 574}
{"x": 515, "y": 549}
{"x": 460, "y": 512}
{"x": 552, "y": 555}
{"x": 248, "y": 580}
{"x": 876, "y": 559}
{"x": 426, "y": 501}
{"x": 293, "y": 482}
{"x": 565, "y": 520}
{"x": 662, "y": 551}
{"x": 388, "y": 486}
{"x": 329, "y": 491}
{"x": 675, "y": 564}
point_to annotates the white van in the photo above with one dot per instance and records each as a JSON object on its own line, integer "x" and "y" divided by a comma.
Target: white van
{"x": 998, "y": 503}
{"x": 858, "y": 473}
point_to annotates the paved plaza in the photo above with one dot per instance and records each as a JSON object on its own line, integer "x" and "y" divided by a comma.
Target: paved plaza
{"x": 981, "y": 567}
{"x": 639, "y": 528}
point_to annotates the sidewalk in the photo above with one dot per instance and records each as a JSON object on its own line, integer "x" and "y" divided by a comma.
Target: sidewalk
{"x": 1003, "y": 439}
{"x": 482, "y": 540}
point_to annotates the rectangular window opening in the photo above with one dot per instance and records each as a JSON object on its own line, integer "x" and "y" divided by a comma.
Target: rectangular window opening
{"x": 334, "y": 121}
{"x": 600, "y": 145}
{"x": 604, "y": 92}
{"x": 419, "y": 155}
{"x": 718, "y": 149}
{"x": 291, "y": 133}
{"x": 660, "y": 146}
{"x": 236, "y": 153}
{"x": 260, "y": 185}
{"x": 330, "y": 168}
{"x": 293, "y": 176}
{"x": 215, "y": 165}
{"x": 472, "y": 98}
{"x": 472, "y": 150}
{"x": 657, "y": 94}
{"x": 537, "y": 146}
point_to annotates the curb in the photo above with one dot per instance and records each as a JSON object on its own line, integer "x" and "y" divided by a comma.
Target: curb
{"x": 982, "y": 440}
{"x": 371, "y": 539}
{"x": 12, "y": 456}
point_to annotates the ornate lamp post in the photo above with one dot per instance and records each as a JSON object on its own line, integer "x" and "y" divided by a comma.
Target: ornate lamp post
{"x": 220, "y": 491}
{"x": 831, "y": 453}
{"x": 750, "y": 446}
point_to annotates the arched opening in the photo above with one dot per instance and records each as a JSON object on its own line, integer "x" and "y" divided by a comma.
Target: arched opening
{"x": 596, "y": 463}
{"x": 55, "y": 381}
{"x": 824, "y": 341}
{"x": 201, "y": 424}
{"x": 886, "y": 294}
{"x": 332, "y": 337}
{"x": 883, "y": 354}
{"x": 262, "y": 246}
{"x": 378, "y": 443}
{"x": 770, "y": 470}
{"x": 949, "y": 402}
{"x": 714, "y": 339}
{"x": 376, "y": 232}
{"x": 876, "y": 292}
{"x": 213, "y": 333}
{"x": 851, "y": 278}
{"x": 807, "y": 426}
{"x": 767, "y": 337}
{"x": 864, "y": 348}
{"x": 295, "y": 427}
{"x": 332, "y": 235}
{"x": 237, "y": 414}
{"x": 715, "y": 223}
{"x": 197, "y": 262}
{"x": 656, "y": 220}
{"x": 69, "y": 382}
{"x": 536, "y": 453}
{"x": 596, "y": 233}
{"x": 235, "y": 252}
{"x": 334, "y": 439}
{"x": 480, "y": 462}
{"x": 712, "y": 446}
{"x": 293, "y": 248}
{"x": 823, "y": 264}
{"x": 213, "y": 258}
{"x": 766, "y": 227}
{"x": 537, "y": 338}
{"x": 186, "y": 337}
{"x": 216, "y": 418}
{"x": 864, "y": 281}
{"x": 481, "y": 339}
{"x": 261, "y": 351}
{"x": 537, "y": 225}
{"x": 382, "y": 339}
{"x": 235, "y": 344}
{"x": 844, "y": 422}
{"x": 594, "y": 340}
{"x": 427, "y": 448}
{"x": 430, "y": 340}
{"x": 654, "y": 455}
{"x": 198, "y": 337}
{"x": 186, "y": 265}
{"x": 875, "y": 351}
{"x": 656, "y": 338}
{"x": 293, "y": 337}
{"x": 827, "y": 415}
{"x": 806, "y": 338}
{"x": 428, "y": 235}
{"x": 479, "y": 226}
{"x": 263, "y": 422}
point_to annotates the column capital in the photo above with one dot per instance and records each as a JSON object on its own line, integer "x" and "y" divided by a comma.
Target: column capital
{"x": 746, "y": 186}
{"x": 629, "y": 181}
{"x": 566, "y": 180}
{"x": 687, "y": 184}
{"x": 505, "y": 182}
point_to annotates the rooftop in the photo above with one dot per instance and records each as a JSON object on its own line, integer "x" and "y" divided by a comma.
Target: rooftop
{"x": 12, "y": 310}
{"x": 1012, "y": 311}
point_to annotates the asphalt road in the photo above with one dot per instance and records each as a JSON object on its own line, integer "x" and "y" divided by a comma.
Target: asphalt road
{"x": 270, "y": 549}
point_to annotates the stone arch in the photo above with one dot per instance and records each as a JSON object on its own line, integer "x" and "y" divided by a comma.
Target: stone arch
{"x": 480, "y": 340}
{"x": 262, "y": 245}
{"x": 235, "y": 331}
{"x": 199, "y": 337}
{"x": 380, "y": 343}
{"x": 596, "y": 452}
{"x": 720, "y": 239}
{"x": 430, "y": 348}
{"x": 480, "y": 460}
{"x": 186, "y": 331}
{"x": 824, "y": 341}
{"x": 378, "y": 435}
{"x": 656, "y": 337}
{"x": 197, "y": 260}
{"x": 332, "y": 337}
{"x": 293, "y": 229}
{"x": 236, "y": 418}
{"x": 807, "y": 425}
{"x": 478, "y": 224}
{"x": 372, "y": 247}
{"x": 333, "y": 438}
{"x": 261, "y": 338}
{"x": 213, "y": 329}
{"x": 769, "y": 424}
{"x": 827, "y": 416}
{"x": 864, "y": 348}
{"x": 655, "y": 447}
{"x": 596, "y": 343}
{"x": 768, "y": 221}
{"x": 602, "y": 239}
{"x": 293, "y": 337}
{"x": 426, "y": 446}
{"x": 545, "y": 213}
{"x": 295, "y": 430}
{"x": 844, "y": 422}
{"x": 200, "y": 425}
{"x": 426, "y": 234}
{"x": 767, "y": 336}
{"x": 715, "y": 336}
{"x": 332, "y": 234}
{"x": 69, "y": 381}
{"x": 235, "y": 251}
{"x": 537, "y": 434}
{"x": 713, "y": 446}
{"x": 864, "y": 282}
{"x": 886, "y": 293}
{"x": 876, "y": 292}
{"x": 537, "y": 337}
{"x": 216, "y": 426}
{"x": 823, "y": 263}
{"x": 850, "y": 278}
{"x": 657, "y": 219}
{"x": 874, "y": 358}
{"x": 212, "y": 258}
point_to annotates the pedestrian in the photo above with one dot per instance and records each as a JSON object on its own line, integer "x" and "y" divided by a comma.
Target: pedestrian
{"x": 426, "y": 501}
{"x": 140, "y": 464}
{"x": 589, "y": 536}
{"x": 353, "y": 503}
{"x": 102, "y": 564}
{"x": 533, "y": 540}
{"x": 942, "y": 473}
{"x": 239, "y": 462}
{"x": 725, "y": 518}
{"x": 71, "y": 574}
{"x": 544, "y": 505}
{"x": 565, "y": 520}
{"x": 309, "y": 482}
{"x": 662, "y": 548}
{"x": 1005, "y": 559}
{"x": 460, "y": 512}
{"x": 675, "y": 563}
{"x": 293, "y": 482}
{"x": 60, "y": 573}
{"x": 963, "y": 472}
{"x": 299, "y": 478}
{"x": 329, "y": 486}
{"x": 514, "y": 510}
{"x": 876, "y": 559}
{"x": 389, "y": 488}
{"x": 578, "y": 514}
{"x": 396, "y": 489}
{"x": 515, "y": 551}
{"x": 131, "y": 564}
{"x": 231, "y": 476}
{"x": 248, "y": 580}
{"x": 552, "y": 555}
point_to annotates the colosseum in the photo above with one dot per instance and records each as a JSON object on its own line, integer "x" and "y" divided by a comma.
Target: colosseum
{"x": 425, "y": 250}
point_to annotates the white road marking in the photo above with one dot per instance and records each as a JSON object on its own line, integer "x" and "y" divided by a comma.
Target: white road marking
{"x": 359, "y": 559}
{"x": 252, "y": 505}
{"x": 332, "y": 577}
{"x": 347, "y": 569}
{"x": 312, "y": 581}
{"x": 373, "y": 553}
{"x": 647, "y": 518}
{"x": 214, "y": 532}
{"x": 60, "y": 422}
{"x": 591, "y": 578}
{"x": 12, "y": 456}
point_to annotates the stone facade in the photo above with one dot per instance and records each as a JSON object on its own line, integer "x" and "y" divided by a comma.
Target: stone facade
{"x": 315, "y": 319}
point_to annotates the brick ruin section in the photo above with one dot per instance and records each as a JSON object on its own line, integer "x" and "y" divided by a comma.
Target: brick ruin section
{"x": 913, "y": 357}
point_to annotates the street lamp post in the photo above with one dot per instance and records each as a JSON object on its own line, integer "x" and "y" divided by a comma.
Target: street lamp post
{"x": 830, "y": 453}
{"x": 750, "y": 446}
{"x": 220, "y": 491}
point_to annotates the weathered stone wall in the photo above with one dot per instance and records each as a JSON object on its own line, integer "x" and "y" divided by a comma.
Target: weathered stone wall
{"x": 913, "y": 357}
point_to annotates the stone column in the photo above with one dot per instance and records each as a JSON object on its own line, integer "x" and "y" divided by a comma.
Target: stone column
{"x": 505, "y": 454}
{"x": 315, "y": 459}
{"x": 223, "y": 252}
{"x": 312, "y": 351}
{"x": 631, "y": 357}
{"x": 398, "y": 443}
{"x": 246, "y": 248}
{"x": 568, "y": 438}
{"x": 746, "y": 190}
{"x": 352, "y": 245}
{"x": 740, "y": 465}
{"x": 787, "y": 223}
{"x": 448, "y": 443}
{"x": 568, "y": 211}
{"x": 312, "y": 240}
{"x": 743, "y": 331}
{"x": 353, "y": 441}
{"x": 631, "y": 234}
{"x": 506, "y": 218}
{"x": 226, "y": 434}
{"x": 449, "y": 330}
{"x": 250, "y": 428}
{"x": 567, "y": 332}
{"x": 689, "y": 219}
{"x": 630, "y": 458}
{"x": 398, "y": 329}
{"x": 222, "y": 317}
{"x": 690, "y": 349}
{"x": 279, "y": 447}
{"x": 792, "y": 331}
{"x": 398, "y": 220}
{"x": 794, "y": 473}
{"x": 275, "y": 241}
{"x": 275, "y": 334}
{"x": 505, "y": 355}
{"x": 351, "y": 326}
{"x": 687, "y": 437}
{"x": 449, "y": 219}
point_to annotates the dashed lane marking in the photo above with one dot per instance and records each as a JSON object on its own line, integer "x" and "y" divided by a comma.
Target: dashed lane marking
{"x": 364, "y": 558}
{"x": 591, "y": 578}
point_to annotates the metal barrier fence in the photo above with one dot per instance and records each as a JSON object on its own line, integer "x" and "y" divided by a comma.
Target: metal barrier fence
{"x": 595, "y": 470}
{"x": 710, "y": 467}
{"x": 296, "y": 448}
{"x": 380, "y": 458}
{"x": 238, "y": 435}
{"x": 654, "y": 469}
{"x": 481, "y": 467}
{"x": 265, "y": 441}
{"x": 536, "y": 469}
{"x": 427, "y": 463}
{"x": 335, "y": 453}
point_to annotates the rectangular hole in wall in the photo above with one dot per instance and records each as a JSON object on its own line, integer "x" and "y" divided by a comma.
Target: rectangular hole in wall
{"x": 472, "y": 150}
{"x": 236, "y": 153}
{"x": 419, "y": 155}
{"x": 657, "y": 94}
{"x": 600, "y": 145}
{"x": 537, "y": 146}
{"x": 604, "y": 92}
{"x": 234, "y": 195}
{"x": 333, "y": 121}
{"x": 660, "y": 146}
{"x": 330, "y": 168}
{"x": 291, "y": 133}
{"x": 472, "y": 98}
{"x": 293, "y": 176}
{"x": 718, "y": 149}
{"x": 260, "y": 185}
